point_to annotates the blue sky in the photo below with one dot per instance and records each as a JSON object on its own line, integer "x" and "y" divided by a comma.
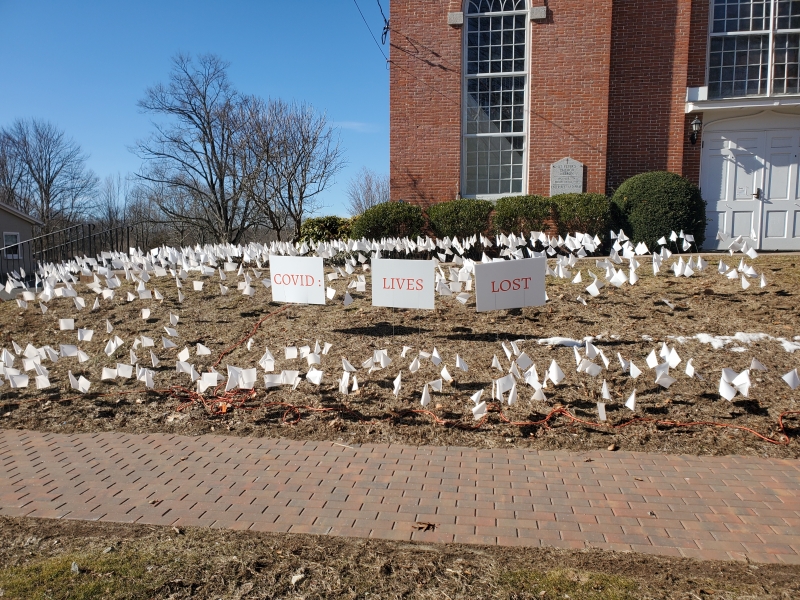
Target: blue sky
{"x": 84, "y": 65}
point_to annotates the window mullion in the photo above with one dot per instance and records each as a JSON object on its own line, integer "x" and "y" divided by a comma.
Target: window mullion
{"x": 735, "y": 33}
{"x": 773, "y": 21}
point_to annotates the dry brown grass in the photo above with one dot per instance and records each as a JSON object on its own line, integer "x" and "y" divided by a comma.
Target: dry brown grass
{"x": 707, "y": 303}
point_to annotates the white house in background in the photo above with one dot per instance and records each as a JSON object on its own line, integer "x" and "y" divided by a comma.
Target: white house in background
{"x": 16, "y": 227}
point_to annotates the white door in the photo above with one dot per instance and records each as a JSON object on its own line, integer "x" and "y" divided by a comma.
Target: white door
{"x": 781, "y": 207}
{"x": 732, "y": 184}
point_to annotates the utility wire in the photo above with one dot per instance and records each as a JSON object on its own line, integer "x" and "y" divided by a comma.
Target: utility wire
{"x": 385, "y": 20}
{"x": 374, "y": 39}
{"x": 388, "y": 61}
{"x": 385, "y": 24}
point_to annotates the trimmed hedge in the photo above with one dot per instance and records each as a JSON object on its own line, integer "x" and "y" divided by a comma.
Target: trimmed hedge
{"x": 517, "y": 214}
{"x": 460, "y": 218}
{"x": 389, "y": 219}
{"x": 585, "y": 213}
{"x": 325, "y": 228}
{"x": 651, "y": 205}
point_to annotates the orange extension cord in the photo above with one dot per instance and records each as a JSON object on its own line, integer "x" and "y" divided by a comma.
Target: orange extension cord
{"x": 219, "y": 404}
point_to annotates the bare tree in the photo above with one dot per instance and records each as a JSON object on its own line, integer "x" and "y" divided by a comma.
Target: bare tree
{"x": 61, "y": 189}
{"x": 307, "y": 157}
{"x": 14, "y": 184}
{"x": 224, "y": 164}
{"x": 112, "y": 202}
{"x": 144, "y": 212}
{"x": 367, "y": 189}
{"x": 194, "y": 157}
{"x": 262, "y": 149}
{"x": 124, "y": 201}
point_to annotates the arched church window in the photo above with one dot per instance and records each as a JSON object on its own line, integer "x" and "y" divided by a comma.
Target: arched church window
{"x": 495, "y": 98}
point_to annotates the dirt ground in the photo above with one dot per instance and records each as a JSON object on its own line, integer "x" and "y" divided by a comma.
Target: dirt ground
{"x": 130, "y": 562}
{"x": 631, "y": 320}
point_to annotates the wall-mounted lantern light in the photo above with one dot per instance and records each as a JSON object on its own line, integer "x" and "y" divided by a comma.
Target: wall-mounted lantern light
{"x": 697, "y": 125}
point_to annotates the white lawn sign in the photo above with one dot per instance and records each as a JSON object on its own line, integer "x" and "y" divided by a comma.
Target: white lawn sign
{"x": 510, "y": 284}
{"x": 403, "y": 283}
{"x": 297, "y": 279}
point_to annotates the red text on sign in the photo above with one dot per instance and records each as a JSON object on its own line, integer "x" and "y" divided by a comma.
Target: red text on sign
{"x": 506, "y": 285}
{"x": 295, "y": 280}
{"x": 397, "y": 283}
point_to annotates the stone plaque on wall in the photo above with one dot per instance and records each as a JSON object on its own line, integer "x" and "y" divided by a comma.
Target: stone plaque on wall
{"x": 566, "y": 177}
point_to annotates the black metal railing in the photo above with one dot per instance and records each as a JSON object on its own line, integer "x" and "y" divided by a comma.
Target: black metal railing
{"x": 21, "y": 260}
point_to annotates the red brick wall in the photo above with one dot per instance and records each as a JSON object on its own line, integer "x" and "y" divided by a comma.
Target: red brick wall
{"x": 607, "y": 84}
{"x": 568, "y": 89}
{"x": 425, "y": 101}
{"x": 649, "y": 61}
{"x": 695, "y": 77}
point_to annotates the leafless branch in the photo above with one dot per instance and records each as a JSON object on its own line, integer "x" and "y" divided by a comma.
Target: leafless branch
{"x": 367, "y": 189}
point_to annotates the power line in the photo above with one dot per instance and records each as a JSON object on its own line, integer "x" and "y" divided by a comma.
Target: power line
{"x": 385, "y": 24}
{"x": 374, "y": 39}
{"x": 385, "y": 20}
{"x": 388, "y": 61}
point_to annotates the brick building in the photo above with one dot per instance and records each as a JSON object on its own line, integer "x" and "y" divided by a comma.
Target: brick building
{"x": 487, "y": 94}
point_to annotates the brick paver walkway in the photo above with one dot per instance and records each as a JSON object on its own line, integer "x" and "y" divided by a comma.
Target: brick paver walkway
{"x": 703, "y": 507}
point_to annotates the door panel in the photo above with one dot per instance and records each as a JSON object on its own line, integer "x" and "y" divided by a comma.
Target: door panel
{"x": 715, "y": 178}
{"x": 749, "y": 141}
{"x": 775, "y": 224}
{"x": 780, "y": 175}
{"x": 748, "y": 171}
{"x": 716, "y": 224}
{"x": 781, "y": 192}
{"x": 714, "y": 185}
{"x": 742, "y": 223}
{"x": 747, "y": 152}
{"x": 780, "y": 141}
{"x": 733, "y": 175}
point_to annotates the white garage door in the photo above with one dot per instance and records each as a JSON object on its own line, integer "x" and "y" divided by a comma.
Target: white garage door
{"x": 750, "y": 182}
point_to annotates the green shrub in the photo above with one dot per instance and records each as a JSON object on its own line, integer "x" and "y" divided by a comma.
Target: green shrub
{"x": 324, "y": 228}
{"x": 389, "y": 219}
{"x": 585, "y": 213}
{"x": 651, "y": 205}
{"x": 518, "y": 214}
{"x": 460, "y": 218}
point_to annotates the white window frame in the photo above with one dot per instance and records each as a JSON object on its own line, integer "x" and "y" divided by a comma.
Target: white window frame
{"x": 771, "y": 32}
{"x": 525, "y": 109}
{"x": 5, "y": 252}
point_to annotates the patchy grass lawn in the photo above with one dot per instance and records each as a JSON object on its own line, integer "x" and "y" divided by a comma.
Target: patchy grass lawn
{"x": 130, "y": 562}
